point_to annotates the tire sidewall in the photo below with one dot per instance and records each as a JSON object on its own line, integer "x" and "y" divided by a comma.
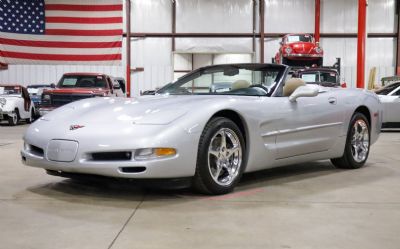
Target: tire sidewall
{"x": 348, "y": 154}
{"x": 202, "y": 167}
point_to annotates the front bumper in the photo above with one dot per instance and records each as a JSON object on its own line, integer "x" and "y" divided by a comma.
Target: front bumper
{"x": 39, "y": 151}
{"x": 303, "y": 56}
{"x": 4, "y": 114}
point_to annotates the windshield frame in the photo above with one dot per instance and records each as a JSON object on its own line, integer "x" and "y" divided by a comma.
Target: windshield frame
{"x": 282, "y": 72}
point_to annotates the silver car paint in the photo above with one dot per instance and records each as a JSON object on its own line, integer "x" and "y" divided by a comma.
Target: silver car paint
{"x": 391, "y": 106}
{"x": 278, "y": 132}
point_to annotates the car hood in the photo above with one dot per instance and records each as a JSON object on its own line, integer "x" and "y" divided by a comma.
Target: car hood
{"x": 76, "y": 91}
{"x": 152, "y": 110}
{"x": 302, "y": 47}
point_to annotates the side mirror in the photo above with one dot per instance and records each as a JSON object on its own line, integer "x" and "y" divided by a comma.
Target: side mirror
{"x": 304, "y": 91}
{"x": 52, "y": 85}
{"x": 281, "y": 43}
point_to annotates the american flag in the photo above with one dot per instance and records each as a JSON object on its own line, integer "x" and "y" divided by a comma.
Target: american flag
{"x": 61, "y": 32}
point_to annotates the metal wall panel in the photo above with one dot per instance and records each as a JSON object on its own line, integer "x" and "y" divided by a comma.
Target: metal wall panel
{"x": 289, "y": 16}
{"x": 382, "y": 16}
{"x": 214, "y": 16}
{"x": 151, "y": 16}
{"x": 339, "y": 16}
{"x": 214, "y": 45}
{"x": 46, "y": 74}
{"x": 154, "y": 55}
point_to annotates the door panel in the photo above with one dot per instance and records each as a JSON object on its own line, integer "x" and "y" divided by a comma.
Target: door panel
{"x": 311, "y": 124}
{"x": 391, "y": 108}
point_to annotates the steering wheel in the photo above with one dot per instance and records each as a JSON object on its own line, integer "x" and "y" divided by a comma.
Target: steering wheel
{"x": 261, "y": 86}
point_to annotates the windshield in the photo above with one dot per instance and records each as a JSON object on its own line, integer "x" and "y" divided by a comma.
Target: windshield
{"x": 299, "y": 38}
{"x": 251, "y": 79}
{"x": 320, "y": 77}
{"x": 10, "y": 90}
{"x": 387, "y": 89}
{"x": 86, "y": 81}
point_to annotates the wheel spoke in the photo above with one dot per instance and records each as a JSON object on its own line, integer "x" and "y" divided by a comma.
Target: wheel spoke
{"x": 232, "y": 151}
{"x": 214, "y": 152}
{"x": 223, "y": 139}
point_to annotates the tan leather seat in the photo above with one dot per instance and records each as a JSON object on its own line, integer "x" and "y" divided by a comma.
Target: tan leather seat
{"x": 238, "y": 84}
{"x": 291, "y": 85}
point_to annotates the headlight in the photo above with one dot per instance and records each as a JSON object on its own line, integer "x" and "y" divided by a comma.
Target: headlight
{"x": 288, "y": 50}
{"x": 46, "y": 97}
{"x": 318, "y": 50}
{"x": 153, "y": 153}
{"x": 3, "y": 101}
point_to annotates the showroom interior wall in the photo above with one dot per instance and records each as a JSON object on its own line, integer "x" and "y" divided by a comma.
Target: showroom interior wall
{"x": 155, "y": 56}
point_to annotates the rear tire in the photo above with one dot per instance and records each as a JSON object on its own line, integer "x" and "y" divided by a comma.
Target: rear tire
{"x": 221, "y": 157}
{"x": 357, "y": 146}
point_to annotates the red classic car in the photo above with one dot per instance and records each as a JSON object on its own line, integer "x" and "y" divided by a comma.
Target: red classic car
{"x": 76, "y": 86}
{"x": 299, "y": 50}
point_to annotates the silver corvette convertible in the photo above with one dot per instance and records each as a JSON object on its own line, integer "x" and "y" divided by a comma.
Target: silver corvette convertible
{"x": 210, "y": 126}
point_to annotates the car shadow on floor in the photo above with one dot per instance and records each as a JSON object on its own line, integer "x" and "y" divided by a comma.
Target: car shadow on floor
{"x": 321, "y": 174}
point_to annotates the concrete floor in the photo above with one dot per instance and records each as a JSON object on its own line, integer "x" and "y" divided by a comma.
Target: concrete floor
{"x": 302, "y": 206}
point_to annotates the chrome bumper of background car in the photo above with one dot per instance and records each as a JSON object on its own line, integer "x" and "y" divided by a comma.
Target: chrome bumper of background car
{"x": 304, "y": 55}
{"x": 44, "y": 111}
{"x": 3, "y": 113}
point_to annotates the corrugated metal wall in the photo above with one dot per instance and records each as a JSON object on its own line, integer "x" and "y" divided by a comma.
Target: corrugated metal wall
{"x": 281, "y": 16}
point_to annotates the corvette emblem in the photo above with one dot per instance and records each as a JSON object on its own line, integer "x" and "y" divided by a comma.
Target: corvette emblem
{"x": 75, "y": 127}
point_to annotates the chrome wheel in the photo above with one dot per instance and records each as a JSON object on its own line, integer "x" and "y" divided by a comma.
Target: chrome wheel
{"x": 224, "y": 156}
{"x": 360, "y": 141}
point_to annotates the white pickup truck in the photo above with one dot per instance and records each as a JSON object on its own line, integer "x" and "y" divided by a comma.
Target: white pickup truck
{"x": 15, "y": 104}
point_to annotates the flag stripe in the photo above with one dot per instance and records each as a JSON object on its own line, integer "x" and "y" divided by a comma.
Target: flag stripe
{"x": 84, "y": 32}
{"x": 78, "y": 26}
{"x": 49, "y": 62}
{"x": 85, "y": 20}
{"x": 44, "y": 50}
{"x": 77, "y": 7}
{"x": 61, "y": 57}
{"x": 52, "y": 44}
{"x": 60, "y": 38}
{"x": 84, "y": 13}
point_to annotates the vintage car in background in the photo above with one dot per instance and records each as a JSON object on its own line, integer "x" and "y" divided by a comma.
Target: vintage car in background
{"x": 35, "y": 92}
{"x": 390, "y": 98}
{"x": 15, "y": 104}
{"x": 322, "y": 76}
{"x": 77, "y": 86}
{"x": 299, "y": 50}
{"x": 207, "y": 128}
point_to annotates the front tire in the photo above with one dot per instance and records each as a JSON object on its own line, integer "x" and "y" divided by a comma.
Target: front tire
{"x": 13, "y": 120}
{"x": 31, "y": 117}
{"x": 221, "y": 157}
{"x": 357, "y": 144}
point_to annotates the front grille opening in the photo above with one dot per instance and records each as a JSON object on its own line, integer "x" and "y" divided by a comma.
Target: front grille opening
{"x": 133, "y": 169}
{"x": 36, "y": 150}
{"x": 112, "y": 156}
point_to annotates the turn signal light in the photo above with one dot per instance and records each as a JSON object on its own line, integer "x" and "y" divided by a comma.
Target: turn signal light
{"x": 154, "y": 153}
{"x": 164, "y": 151}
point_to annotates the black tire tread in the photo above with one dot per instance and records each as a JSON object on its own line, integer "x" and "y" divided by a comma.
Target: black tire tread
{"x": 198, "y": 181}
{"x": 347, "y": 161}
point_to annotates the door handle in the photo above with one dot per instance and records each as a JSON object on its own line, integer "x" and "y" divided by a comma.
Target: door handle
{"x": 332, "y": 100}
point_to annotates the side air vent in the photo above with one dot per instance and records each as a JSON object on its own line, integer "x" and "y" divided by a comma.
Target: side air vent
{"x": 36, "y": 150}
